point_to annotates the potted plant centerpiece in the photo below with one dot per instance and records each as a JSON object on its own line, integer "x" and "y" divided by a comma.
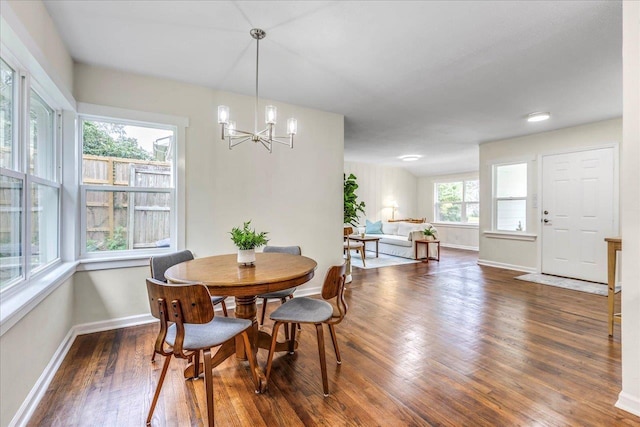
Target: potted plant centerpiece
{"x": 247, "y": 240}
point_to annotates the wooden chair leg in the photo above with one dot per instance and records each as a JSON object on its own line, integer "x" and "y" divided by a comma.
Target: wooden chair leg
{"x": 165, "y": 367}
{"x": 286, "y": 325}
{"x": 323, "y": 359}
{"x": 253, "y": 364}
{"x": 264, "y": 310}
{"x": 208, "y": 382}
{"x": 364, "y": 264}
{"x": 196, "y": 365}
{"x": 272, "y": 350}
{"x": 334, "y": 340}
{"x": 292, "y": 341}
{"x": 224, "y": 308}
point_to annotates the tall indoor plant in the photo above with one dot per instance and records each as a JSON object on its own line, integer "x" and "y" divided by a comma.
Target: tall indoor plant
{"x": 352, "y": 210}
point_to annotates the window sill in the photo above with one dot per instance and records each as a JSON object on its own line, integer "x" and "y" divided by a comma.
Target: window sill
{"x": 510, "y": 235}
{"x": 15, "y": 306}
{"x": 454, "y": 225}
{"x": 106, "y": 263}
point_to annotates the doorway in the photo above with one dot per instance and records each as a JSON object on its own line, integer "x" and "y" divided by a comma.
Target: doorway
{"x": 579, "y": 209}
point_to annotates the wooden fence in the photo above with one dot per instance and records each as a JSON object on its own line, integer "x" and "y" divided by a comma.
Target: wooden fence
{"x": 126, "y": 220}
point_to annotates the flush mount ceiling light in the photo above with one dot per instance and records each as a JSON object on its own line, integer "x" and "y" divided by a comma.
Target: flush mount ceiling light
{"x": 410, "y": 157}
{"x": 538, "y": 117}
{"x": 265, "y": 136}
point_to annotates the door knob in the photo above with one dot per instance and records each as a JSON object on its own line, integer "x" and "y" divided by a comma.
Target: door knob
{"x": 545, "y": 220}
{"x": 546, "y": 212}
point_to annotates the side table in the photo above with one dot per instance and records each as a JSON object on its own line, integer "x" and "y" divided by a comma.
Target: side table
{"x": 364, "y": 241}
{"x": 426, "y": 243}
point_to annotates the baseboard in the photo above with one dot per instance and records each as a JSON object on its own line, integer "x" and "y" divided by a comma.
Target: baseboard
{"x": 454, "y": 246}
{"x": 507, "y": 266}
{"x": 107, "y": 325}
{"x": 628, "y": 403}
{"x": 24, "y": 413}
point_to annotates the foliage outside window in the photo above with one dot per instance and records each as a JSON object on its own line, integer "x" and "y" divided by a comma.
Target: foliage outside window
{"x": 30, "y": 188}
{"x": 127, "y": 185}
{"x": 510, "y": 197}
{"x": 457, "y": 201}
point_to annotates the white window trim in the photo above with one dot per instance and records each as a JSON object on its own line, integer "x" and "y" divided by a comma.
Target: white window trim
{"x": 463, "y": 203}
{"x": 121, "y": 259}
{"x": 502, "y": 234}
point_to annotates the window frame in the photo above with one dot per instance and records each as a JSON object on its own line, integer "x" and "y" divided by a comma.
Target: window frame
{"x": 464, "y": 220}
{"x": 132, "y": 257}
{"x": 24, "y": 84}
{"x": 495, "y": 199}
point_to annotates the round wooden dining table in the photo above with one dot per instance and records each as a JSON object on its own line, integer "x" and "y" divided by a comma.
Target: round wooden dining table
{"x": 224, "y": 276}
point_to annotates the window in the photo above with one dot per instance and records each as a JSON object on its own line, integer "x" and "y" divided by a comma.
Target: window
{"x": 29, "y": 182}
{"x": 457, "y": 201}
{"x": 510, "y": 197}
{"x": 127, "y": 186}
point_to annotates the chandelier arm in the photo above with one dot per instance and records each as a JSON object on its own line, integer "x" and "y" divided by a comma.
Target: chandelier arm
{"x": 281, "y": 140}
{"x": 266, "y": 144}
{"x": 242, "y": 133}
{"x": 237, "y": 141}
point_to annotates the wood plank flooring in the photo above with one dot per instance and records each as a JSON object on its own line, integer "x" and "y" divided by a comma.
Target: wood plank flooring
{"x": 449, "y": 344}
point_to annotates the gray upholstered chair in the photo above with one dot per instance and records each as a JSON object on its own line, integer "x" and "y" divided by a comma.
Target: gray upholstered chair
{"x": 160, "y": 264}
{"x": 283, "y": 294}
{"x": 189, "y": 328}
{"x": 315, "y": 311}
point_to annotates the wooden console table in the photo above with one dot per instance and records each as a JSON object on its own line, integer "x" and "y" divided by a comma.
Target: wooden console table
{"x": 614, "y": 244}
{"x": 426, "y": 243}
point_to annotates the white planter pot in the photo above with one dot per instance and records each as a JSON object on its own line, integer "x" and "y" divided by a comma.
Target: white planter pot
{"x": 246, "y": 256}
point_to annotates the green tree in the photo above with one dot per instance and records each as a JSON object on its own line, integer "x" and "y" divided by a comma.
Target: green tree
{"x": 110, "y": 140}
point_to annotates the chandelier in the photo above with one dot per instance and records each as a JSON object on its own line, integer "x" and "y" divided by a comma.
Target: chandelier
{"x": 265, "y": 136}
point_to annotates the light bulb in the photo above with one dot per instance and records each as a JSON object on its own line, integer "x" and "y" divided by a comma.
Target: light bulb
{"x": 292, "y": 126}
{"x": 223, "y": 114}
{"x": 231, "y": 128}
{"x": 270, "y": 114}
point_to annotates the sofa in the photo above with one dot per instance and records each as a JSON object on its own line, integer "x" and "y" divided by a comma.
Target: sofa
{"x": 398, "y": 239}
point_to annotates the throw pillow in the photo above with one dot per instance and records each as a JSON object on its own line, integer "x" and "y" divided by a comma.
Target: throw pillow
{"x": 373, "y": 227}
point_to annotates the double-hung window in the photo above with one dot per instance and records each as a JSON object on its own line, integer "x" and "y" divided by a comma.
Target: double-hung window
{"x": 457, "y": 202}
{"x": 510, "y": 197}
{"x": 30, "y": 189}
{"x": 127, "y": 187}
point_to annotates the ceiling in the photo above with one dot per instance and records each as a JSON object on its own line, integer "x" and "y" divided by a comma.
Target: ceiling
{"x": 430, "y": 78}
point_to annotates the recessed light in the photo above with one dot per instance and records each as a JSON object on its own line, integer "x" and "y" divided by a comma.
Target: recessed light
{"x": 538, "y": 117}
{"x": 410, "y": 157}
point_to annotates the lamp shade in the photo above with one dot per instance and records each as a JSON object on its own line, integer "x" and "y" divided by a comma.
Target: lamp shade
{"x": 292, "y": 126}
{"x": 231, "y": 128}
{"x": 223, "y": 114}
{"x": 270, "y": 114}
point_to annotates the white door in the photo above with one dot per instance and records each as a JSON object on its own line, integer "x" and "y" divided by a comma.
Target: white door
{"x": 578, "y": 213}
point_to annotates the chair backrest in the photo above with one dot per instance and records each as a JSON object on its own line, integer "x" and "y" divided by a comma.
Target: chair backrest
{"x": 293, "y": 250}
{"x": 348, "y": 231}
{"x": 160, "y": 263}
{"x": 194, "y": 301}
{"x": 333, "y": 287}
{"x": 178, "y": 304}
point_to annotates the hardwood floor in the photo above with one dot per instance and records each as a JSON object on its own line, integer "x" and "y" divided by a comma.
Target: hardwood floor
{"x": 448, "y": 343}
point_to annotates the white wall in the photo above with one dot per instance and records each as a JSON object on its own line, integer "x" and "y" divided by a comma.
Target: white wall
{"x": 295, "y": 195}
{"x": 461, "y": 236}
{"x": 29, "y": 346}
{"x": 379, "y": 185}
{"x": 518, "y": 254}
{"x": 629, "y": 398}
